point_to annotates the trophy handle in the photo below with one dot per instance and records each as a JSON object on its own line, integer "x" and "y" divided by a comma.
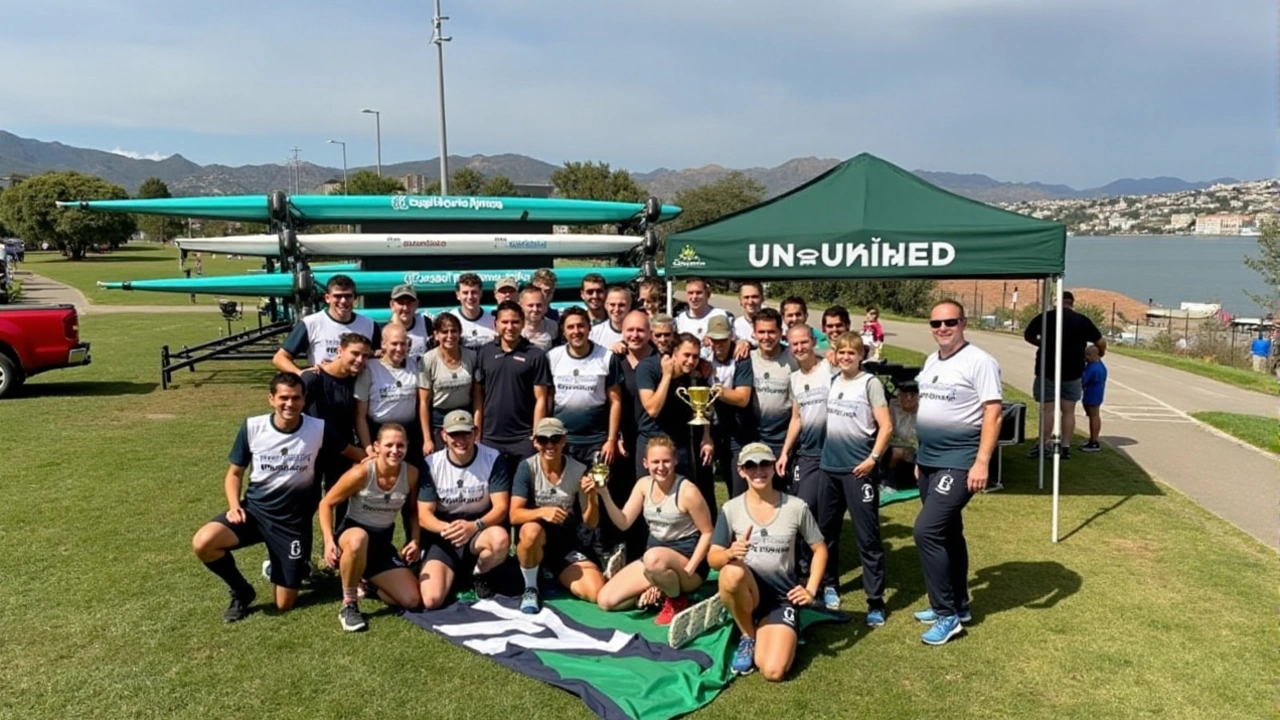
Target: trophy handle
{"x": 715, "y": 394}
{"x": 683, "y": 394}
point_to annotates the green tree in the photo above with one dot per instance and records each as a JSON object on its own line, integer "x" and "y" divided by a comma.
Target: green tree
{"x": 465, "y": 181}
{"x": 30, "y": 211}
{"x": 1266, "y": 263}
{"x": 499, "y": 186}
{"x": 4, "y": 231}
{"x": 158, "y": 227}
{"x": 367, "y": 182}
{"x": 705, "y": 203}
{"x": 904, "y": 297}
{"x": 595, "y": 181}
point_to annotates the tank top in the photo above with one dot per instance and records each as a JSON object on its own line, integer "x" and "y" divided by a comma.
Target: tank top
{"x": 667, "y": 522}
{"x": 377, "y": 508}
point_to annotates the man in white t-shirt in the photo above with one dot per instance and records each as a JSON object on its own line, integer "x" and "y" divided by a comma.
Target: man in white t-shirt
{"x": 594, "y": 289}
{"x": 693, "y": 320}
{"x": 751, "y": 299}
{"x": 319, "y": 334}
{"x": 608, "y": 334}
{"x": 539, "y": 329}
{"x": 404, "y": 310}
{"x": 477, "y": 325}
{"x": 957, "y": 425}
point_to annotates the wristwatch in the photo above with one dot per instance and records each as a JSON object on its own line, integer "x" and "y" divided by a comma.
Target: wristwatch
{"x": 875, "y": 456}
{"x": 479, "y": 526}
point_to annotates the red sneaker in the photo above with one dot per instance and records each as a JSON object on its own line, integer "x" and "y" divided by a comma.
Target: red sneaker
{"x": 670, "y": 608}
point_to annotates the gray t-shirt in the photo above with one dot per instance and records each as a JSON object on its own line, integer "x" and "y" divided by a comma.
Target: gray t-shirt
{"x": 532, "y": 484}
{"x": 391, "y": 392}
{"x": 773, "y": 545}
{"x": 450, "y": 387}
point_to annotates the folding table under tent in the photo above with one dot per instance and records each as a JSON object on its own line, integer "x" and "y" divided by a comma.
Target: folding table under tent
{"x": 868, "y": 219}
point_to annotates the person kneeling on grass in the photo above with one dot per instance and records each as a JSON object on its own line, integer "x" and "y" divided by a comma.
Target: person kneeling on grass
{"x": 679, "y": 521}
{"x": 754, "y": 548}
{"x": 462, "y": 507}
{"x": 555, "y": 504}
{"x": 375, "y": 491}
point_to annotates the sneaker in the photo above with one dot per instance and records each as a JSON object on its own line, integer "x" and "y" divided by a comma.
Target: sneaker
{"x": 671, "y": 607}
{"x": 266, "y": 570}
{"x": 929, "y": 617}
{"x": 617, "y": 560}
{"x": 1091, "y": 446}
{"x": 1034, "y": 452}
{"x": 1065, "y": 452}
{"x": 943, "y": 630}
{"x": 875, "y": 617}
{"x": 830, "y": 598}
{"x": 696, "y": 620}
{"x": 530, "y": 601}
{"x": 744, "y": 658}
{"x": 352, "y": 620}
{"x": 239, "y": 606}
{"x": 480, "y": 583}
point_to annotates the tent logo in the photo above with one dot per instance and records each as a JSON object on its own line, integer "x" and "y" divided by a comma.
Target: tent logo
{"x": 688, "y": 258}
{"x": 873, "y": 254}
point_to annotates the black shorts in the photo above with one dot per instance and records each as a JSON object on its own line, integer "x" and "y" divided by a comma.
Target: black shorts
{"x": 685, "y": 547}
{"x": 774, "y": 608}
{"x": 566, "y": 546}
{"x": 381, "y": 555}
{"x": 288, "y": 546}
{"x": 461, "y": 560}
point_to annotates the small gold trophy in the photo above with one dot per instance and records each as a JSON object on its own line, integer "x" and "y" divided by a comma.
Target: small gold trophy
{"x": 599, "y": 471}
{"x": 699, "y": 398}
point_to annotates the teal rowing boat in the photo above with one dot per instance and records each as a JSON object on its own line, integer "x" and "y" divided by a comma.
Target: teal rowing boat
{"x": 374, "y": 282}
{"x": 336, "y": 209}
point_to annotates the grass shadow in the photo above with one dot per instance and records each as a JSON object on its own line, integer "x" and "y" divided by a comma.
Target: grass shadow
{"x": 86, "y": 388}
{"x": 1013, "y": 585}
{"x": 1110, "y": 472}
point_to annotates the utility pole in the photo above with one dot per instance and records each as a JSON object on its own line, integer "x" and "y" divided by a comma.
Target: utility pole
{"x": 344, "y": 164}
{"x": 377, "y": 120}
{"x": 297, "y": 171}
{"x": 439, "y": 39}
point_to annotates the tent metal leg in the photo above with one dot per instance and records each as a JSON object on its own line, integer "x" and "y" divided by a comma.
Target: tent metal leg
{"x": 1057, "y": 404}
{"x": 1044, "y": 333}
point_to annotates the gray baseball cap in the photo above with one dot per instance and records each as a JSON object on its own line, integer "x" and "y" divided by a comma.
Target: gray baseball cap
{"x": 718, "y": 328}
{"x": 459, "y": 421}
{"x": 400, "y": 291}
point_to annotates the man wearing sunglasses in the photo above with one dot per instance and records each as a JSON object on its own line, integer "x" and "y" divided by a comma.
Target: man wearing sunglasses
{"x": 594, "y": 289}
{"x": 957, "y": 425}
{"x": 318, "y": 334}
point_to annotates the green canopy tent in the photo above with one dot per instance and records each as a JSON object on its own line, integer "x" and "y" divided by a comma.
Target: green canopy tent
{"x": 868, "y": 219}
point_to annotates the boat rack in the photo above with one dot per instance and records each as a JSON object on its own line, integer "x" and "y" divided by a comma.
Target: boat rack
{"x": 257, "y": 344}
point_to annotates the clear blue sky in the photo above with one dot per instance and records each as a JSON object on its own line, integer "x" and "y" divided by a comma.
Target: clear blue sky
{"x": 1067, "y": 91}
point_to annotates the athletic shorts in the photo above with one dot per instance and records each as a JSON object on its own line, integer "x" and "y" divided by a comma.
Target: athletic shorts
{"x": 774, "y": 608}
{"x": 461, "y": 560}
{"x": 565, "y": 546}
{"x": 686, "y": 547}
{"x": 381, "y": 555}
{"x": 288, "y": 546}
{"x": 1042, "y": 391}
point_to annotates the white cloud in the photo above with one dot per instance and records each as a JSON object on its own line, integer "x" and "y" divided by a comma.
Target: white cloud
{"x": 140, "y": 156}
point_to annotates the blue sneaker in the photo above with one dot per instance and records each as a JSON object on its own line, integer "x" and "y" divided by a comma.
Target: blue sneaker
{"x": 744, "y": 658}
{"x": 929, "y": 617}
{"x": 875, "y": 617}
{"x": 830, "y": 598}
{"x": 943, "y": 630}
{"x": 530, "y": 602}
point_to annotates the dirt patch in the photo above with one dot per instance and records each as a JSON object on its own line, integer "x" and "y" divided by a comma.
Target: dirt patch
{"x": 1140, "y": 549}
{"x": 160, "y": 416}
{"x": 984, "y": 296}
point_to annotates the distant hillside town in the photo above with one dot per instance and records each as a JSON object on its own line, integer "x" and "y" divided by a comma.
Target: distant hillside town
{"x": 1220, "y": 209}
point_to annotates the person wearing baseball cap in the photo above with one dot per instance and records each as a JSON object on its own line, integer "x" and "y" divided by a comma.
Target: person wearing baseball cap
{"x": 463, "y": 496}
{"x": 404, "y": 311}
{"x": 506, "y": 289}
{"x": 723, "y": 363}
{"x": 754, "y": 547}
{"x": 554, "y": 503}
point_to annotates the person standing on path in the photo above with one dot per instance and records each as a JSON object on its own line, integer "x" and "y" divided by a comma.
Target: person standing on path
{"x": 958, "y": 424}
{"x": 1078, "y": 332}
{"x": 1094, "y": 383}
{"x": 1260, "y": 352}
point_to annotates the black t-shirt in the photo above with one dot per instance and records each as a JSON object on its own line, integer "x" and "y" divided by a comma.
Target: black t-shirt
{"x": 633, "y": 413}
{"x": 674, "y": 418}
{"x": 1078, "y": 331}
{"x": 508, "y": 379}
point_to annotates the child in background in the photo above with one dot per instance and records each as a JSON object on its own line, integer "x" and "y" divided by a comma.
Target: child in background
{"x": 1094, "y": 383}
{"x": 872, "y": 334}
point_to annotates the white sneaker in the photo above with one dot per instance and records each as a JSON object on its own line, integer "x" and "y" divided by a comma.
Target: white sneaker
{"x": 617, "y": 560}
{"x": 695, "y": 620}
{"x": 266, "y": 570}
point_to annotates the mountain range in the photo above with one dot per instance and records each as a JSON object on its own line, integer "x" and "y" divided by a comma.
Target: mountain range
{"x": 25, "y": 156}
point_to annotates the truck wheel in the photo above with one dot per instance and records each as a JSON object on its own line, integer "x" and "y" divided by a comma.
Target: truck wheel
{"x": 11, "y": 376}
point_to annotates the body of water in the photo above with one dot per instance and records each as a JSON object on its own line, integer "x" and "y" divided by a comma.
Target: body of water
{"x": 1169, "y": 269}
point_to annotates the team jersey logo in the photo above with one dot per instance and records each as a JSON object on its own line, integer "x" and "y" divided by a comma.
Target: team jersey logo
{"x": 461, "y": 482}
{"x": 764, "y": 532}
{"x": 868, "y": 493}
{"x": 944, "y": 484}
{"x": 284, "y": 451}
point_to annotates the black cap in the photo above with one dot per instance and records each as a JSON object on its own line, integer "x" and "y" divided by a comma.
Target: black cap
{"x": 908, "y": 386}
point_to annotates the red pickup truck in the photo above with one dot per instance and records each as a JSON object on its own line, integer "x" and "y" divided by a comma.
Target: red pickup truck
{"x": 35, "y": 339}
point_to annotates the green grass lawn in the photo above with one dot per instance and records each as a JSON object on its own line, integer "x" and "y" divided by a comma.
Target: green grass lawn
{"x": 136, "y": 261}
{"x": 1263, "y": 432}
{"x": 1151, "y": 607}
{"x": 1239, "y": 377}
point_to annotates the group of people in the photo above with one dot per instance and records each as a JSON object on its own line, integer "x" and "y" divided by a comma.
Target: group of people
{"x": 568, "y": 436}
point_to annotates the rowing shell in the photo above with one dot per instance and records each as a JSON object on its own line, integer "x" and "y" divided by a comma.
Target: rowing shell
{"x": 375, "y": 244}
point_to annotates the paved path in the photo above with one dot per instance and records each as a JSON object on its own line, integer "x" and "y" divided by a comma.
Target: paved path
{"x": 1146, "y": 416}
{"x": 40, "y": 290}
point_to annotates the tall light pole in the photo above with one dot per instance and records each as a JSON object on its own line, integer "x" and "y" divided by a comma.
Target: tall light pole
{"x": 439, "y": 39}
{"x": 345, "y": 190}
{"x": 377, "y": 118}
{"x": 297, "y": 173}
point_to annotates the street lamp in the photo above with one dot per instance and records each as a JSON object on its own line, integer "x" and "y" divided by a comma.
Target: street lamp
{"x": 377, "y": 118}
{"x": 438, "y": 38}
{"x": 345, "y": 190}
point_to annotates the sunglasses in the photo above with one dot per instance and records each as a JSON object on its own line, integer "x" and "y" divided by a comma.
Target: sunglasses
{"x": 752, "y": 465}
{"x": 949, "y": 322}
{"x": 342, "y": 296}
{"x": 549, "y": 439}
